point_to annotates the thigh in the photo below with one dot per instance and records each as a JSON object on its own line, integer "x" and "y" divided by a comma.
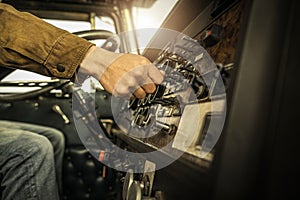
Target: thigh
{"x": 20, "y": 146}
{"x": 26, "y": 165}
{"x": 18, "y": 141}
{"x": 55, "y": 136}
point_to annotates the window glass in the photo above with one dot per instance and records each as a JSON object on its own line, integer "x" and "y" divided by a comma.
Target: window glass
{"x": 154, "y": 16}
{"x": 151, "y": 17}
{"x": 71, "y": 26}
{"x": 104, "y": 23}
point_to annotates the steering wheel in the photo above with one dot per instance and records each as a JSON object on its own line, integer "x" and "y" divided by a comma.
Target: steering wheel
{"x": 112, "y": 44}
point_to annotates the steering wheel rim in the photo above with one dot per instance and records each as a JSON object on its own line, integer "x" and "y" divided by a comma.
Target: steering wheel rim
{"x": 110, "y": 44}
{"x": 94, "y": 34}
{"x": 31, "y": 94}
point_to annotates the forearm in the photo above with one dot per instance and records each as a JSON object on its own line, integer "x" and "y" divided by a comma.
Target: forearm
{"x": 96, "y": 61}
{"x": 30, "y": 43}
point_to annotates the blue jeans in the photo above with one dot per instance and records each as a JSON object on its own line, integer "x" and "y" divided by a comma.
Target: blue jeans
{"x": 30, "y": 161}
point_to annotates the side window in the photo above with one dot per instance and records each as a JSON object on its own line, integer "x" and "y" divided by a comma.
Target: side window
{"x": 144, "y": 18}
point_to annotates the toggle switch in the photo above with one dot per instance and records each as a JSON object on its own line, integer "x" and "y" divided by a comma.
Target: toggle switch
{"x": 56, "y": 108}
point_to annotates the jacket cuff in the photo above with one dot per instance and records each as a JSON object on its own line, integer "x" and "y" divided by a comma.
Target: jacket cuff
{"x": 66, "y": 55}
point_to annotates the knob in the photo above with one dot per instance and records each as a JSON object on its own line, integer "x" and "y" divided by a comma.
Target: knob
{"x": 57, "y": 109}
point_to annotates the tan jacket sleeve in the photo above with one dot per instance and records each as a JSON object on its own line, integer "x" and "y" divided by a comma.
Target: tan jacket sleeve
{"x": 29, "y": 43}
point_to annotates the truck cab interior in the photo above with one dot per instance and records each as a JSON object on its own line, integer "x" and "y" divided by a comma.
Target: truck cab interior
{"x": 252, "y": 45}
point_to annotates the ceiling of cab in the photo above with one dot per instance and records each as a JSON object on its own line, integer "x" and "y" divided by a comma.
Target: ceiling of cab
{"x": 75, "y": 9}
{"x": 37, "y": 3}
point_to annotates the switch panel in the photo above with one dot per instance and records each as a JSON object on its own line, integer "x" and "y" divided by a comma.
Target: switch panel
{"x": 191, "y": 78}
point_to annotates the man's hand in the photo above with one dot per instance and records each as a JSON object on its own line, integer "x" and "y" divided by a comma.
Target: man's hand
{"x": 122, "y": 74}
{"x": 131, "y": 73}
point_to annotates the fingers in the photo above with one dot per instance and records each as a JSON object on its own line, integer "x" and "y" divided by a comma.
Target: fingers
{"x": 149, "y": 87}
{"x": 148, "y": 76}
{"x": 129, "y": 85}
{"x": 131, "y": 75}
{"x": 139, "y": 93}
{"x": 156, "y": 75}
{"x": 144, "y": 89}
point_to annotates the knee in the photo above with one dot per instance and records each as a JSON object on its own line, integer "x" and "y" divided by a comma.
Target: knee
{"x": 37, "y": 146}
{"x": 57, "y": 138}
